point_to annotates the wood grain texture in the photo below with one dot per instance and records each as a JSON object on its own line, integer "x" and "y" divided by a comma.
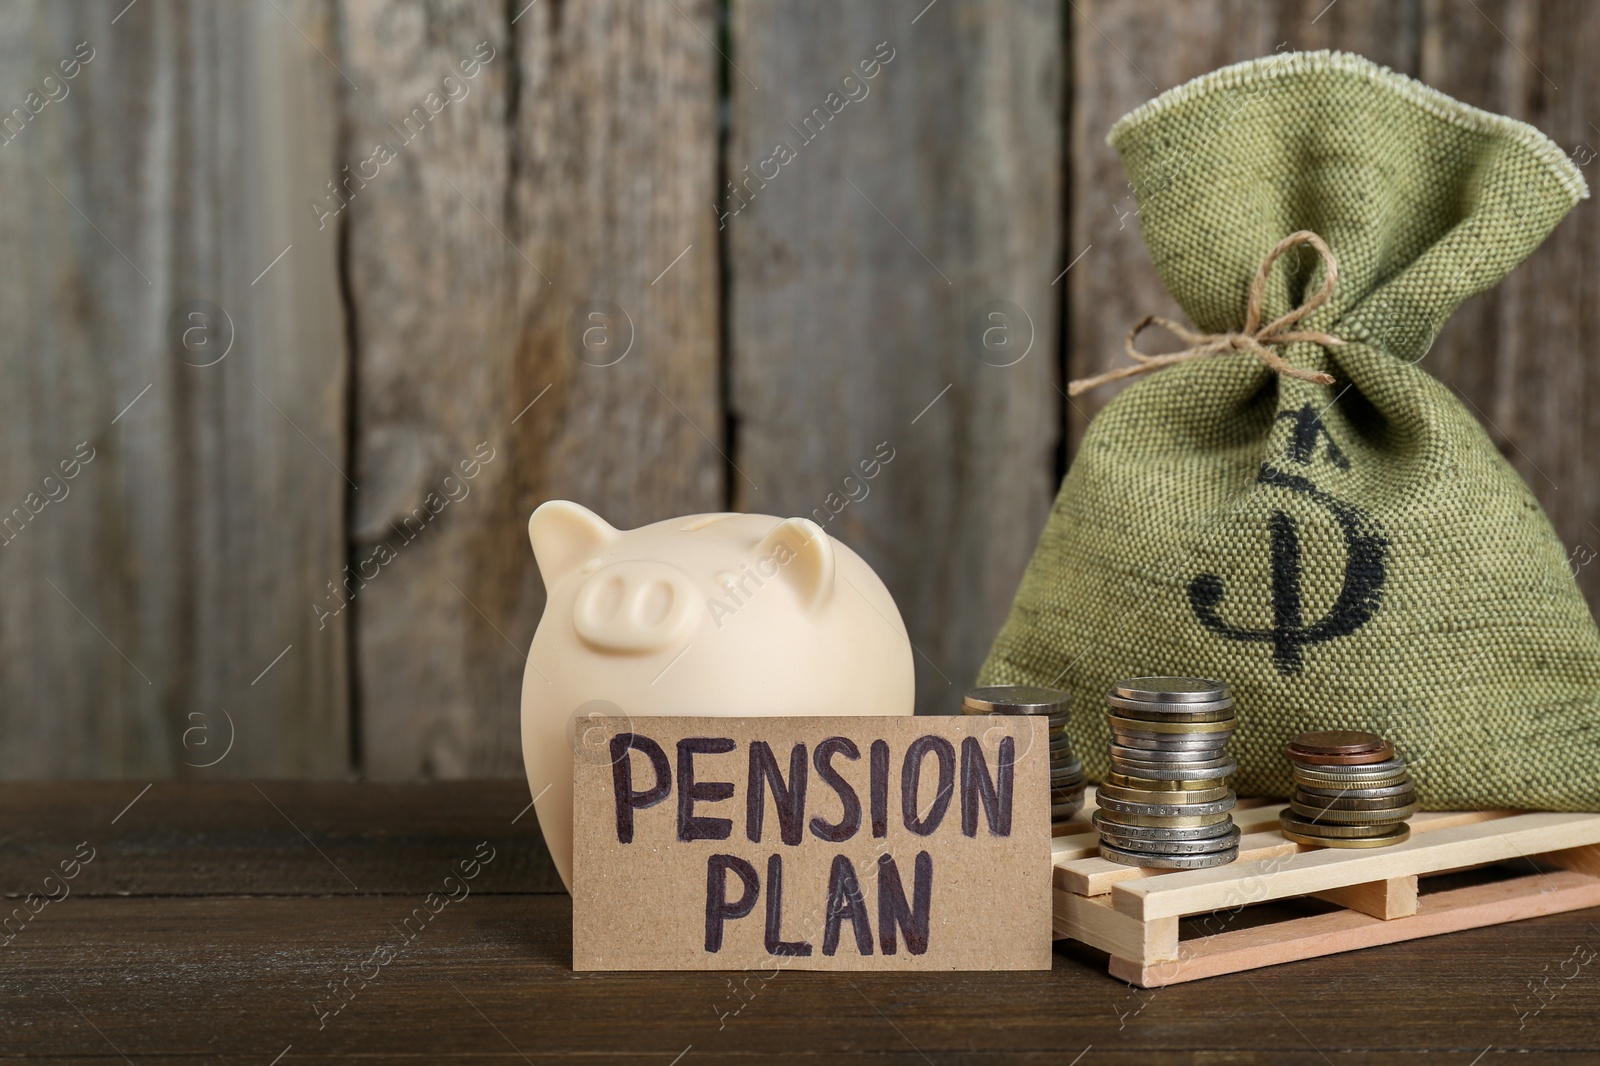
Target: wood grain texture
{"x": 432, "y": 286}
{"x": 861, "y": 268}
{"x": 1517, "y": 355}
{"x": 1393, "y": 897}
{"x": 1452, "y": 911}
{"x": 215, "y": 976}
{"x": 143, "y": 607}
{"x": 270, "y": 838}
{"x": 578, "y": 165}
{"x": 1093, "y": 921}
{"x": 1126, "y": 52}
{"x": 1186, "y": 892}
{"x": 585, "y": 168}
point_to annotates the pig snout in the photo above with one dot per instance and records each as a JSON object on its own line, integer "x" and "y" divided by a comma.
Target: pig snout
{"x": 635, "y": 606}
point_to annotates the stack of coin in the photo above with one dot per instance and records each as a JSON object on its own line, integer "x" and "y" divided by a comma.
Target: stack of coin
{"x": 1350, "y": 791}
{"x": 1066, "y": 771}
{"x": 1166, "y": 803}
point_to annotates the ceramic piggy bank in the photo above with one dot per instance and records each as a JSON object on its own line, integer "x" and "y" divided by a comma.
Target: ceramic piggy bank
{"x": 714, "y": 614}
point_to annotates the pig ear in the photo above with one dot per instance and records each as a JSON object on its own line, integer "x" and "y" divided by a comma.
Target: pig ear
{"x": 564, "y": 534}
{"x": 804, "y": 555}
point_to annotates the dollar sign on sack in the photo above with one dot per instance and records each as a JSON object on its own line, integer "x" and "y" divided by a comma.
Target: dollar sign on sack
{"x": 1366, "y": 556}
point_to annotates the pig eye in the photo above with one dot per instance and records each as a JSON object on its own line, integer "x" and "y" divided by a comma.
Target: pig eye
{"x": 591, "y": 566}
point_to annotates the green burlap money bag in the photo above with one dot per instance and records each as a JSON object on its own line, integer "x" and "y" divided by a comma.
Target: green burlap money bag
{"x": 1356, "y": 554}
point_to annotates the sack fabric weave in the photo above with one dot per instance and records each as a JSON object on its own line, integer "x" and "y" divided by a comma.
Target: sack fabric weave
{"x": 1354, "y": 555}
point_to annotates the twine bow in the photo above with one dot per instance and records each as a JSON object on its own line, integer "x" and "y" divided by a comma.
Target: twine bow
{"x": 1255, "y": 338}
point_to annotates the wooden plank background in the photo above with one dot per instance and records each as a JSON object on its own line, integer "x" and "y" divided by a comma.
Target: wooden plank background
{"x": 186, "y": 610}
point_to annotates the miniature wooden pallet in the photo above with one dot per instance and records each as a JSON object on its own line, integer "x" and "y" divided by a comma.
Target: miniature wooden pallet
{"x": 1132, "y": 913}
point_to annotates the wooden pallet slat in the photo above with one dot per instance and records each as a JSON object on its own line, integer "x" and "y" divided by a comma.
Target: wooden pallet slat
{"x": 1318, "y": 869}
{"x": 1132, "y": 913}
{"x": 1093, "y": 921}
{"x": 1393, "y": 897}
{"x": 1346, "y": 930}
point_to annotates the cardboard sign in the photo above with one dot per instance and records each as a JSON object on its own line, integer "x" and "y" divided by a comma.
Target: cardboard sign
{"x": 839, "y": 843}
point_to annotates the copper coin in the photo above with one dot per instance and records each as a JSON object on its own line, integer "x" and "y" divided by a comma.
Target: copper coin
{"x": 1334, "y": 742}
{"x": 1383, "y": 754}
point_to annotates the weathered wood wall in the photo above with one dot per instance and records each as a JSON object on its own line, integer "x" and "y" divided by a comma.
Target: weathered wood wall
{"x": 454, "y": 185}
{"x": 144, "y": 612}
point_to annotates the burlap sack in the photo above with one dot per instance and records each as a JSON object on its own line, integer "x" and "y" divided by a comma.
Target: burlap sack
{"x": 1355, "y": 554}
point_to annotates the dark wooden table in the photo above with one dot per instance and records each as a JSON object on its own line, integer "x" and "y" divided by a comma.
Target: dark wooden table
{"x": 214, "y": 921}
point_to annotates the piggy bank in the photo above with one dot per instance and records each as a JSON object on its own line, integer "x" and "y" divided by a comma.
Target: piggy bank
{"x": 714, "y": 614}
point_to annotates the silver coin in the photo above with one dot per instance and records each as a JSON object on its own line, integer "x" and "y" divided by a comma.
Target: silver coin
{"x": 1334, "y": 792}
{"x": 1175, "y": 730}
{"x": 1338, "y": 786}
{"x": 1107, "y": 822}
{"x": 1205, "y": 741}
{"x": 1164, "y": 772}
{"x": 1055, "y": 728}
{"x": 1227, "y": 840}
{"x": 1164, "y": 754}
{"x": 1183, "y": 727}
{"x": 1170, "y": 712}
{"x": 1015, "y": 699}
{"x": 1317, "y": 813}
{"x": 1334, "y": 808}
{"x": 1167, "y": 810}
{"x": 1145, "y": 748}
{"x": 1208, "y": 772}
{"x": 1366, "y": 769}
{"x": 1171, "y": 690}
{"x": 1168, "y": 862}
{"x": 1166, "y": 757}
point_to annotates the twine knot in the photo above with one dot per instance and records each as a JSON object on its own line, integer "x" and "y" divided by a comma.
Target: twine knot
{"x": 1255, "y": 338}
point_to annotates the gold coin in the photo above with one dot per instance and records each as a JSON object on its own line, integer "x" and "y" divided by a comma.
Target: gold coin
{"x": 1365, "y": 772}
{"x": 1332, "y": 816}
{"x": 1391, "y": 785}
{"x": 1397, "y": 834}
{"x": 1165, "y": 821}
{"x": 1164, "y": 796}
{"x": 1291, "y": 822}
{"x": 1150, "y": 784}
{"x": 1140, "y": 725}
